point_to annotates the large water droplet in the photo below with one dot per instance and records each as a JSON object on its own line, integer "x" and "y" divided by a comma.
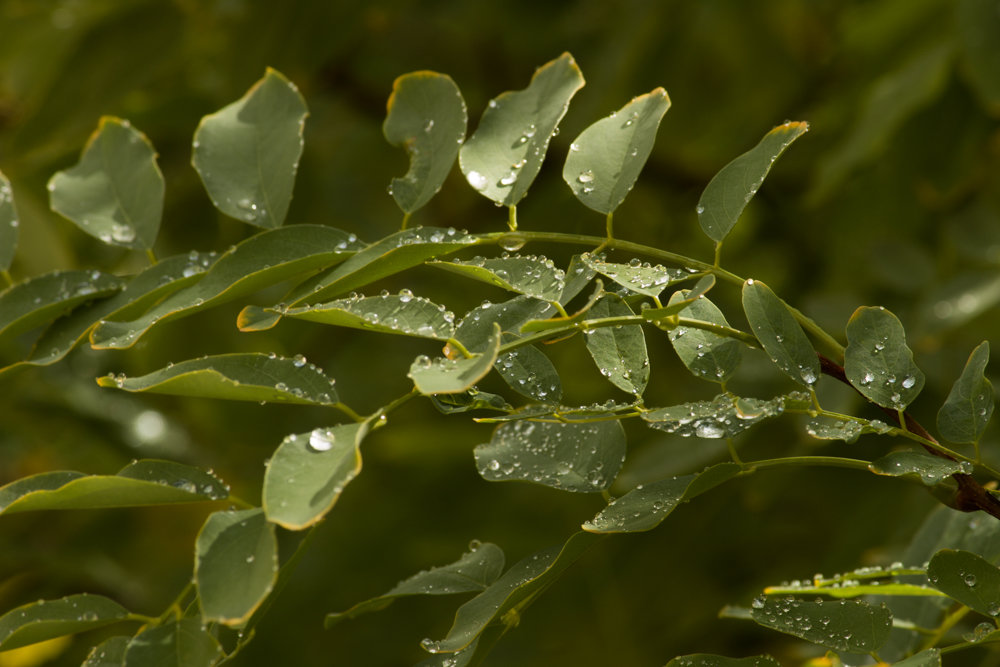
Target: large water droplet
{"x": 586, "y": 176}
{"x": 321, "y": 440}
{"x": 476, "y": 180}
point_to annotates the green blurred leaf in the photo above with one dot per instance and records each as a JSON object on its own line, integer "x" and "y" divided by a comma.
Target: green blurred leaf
{"x": 236, "y": 562}
{"x": 928, "y": 658}
{"x": 308, "y": 472}
{"x": 448, "y": 376}
{"x": 877, "y": 361}
{"x": 957, "y": 301}
{"x": 968, "y": 578}
{"x": 427, "y": 116}
{"x": 46, "y": 619}
{"x": 145, "y": 482}
{"x": 42, "y": 299}
{"x": 8, "y": 224}
{"x": 475, "y": 330}
{"x": 725, "y": 416}
{"x": 115, "y": 192}
{"x": 109, "y": 653}
{"x": 247, "y": 153}
{"x": 641, "y": 278}
{"x": 605, "y": 160}
{"x": 647, "y": 505}
{"x": 183, "y": 643}
{"x": 978, "y": 24}
{"x": 849, "y": 626}
{"x": 918, "y": 465}
{"x": 241, "y": 376}
{"x": 706, "y": 660}
{"x": 707, "y": 355}
{"x": 473, "y": 572}
{"x": 528, "y": 371}
{"x": 619, "y": 352}
{"x": 781, "y": 336}
{"x": 969, "y": 406}
{"x": 730, "y": 190}
{"x": 505, "y": 153}
{"x": 525, "y": 274}
{"x": 400, "y": 313}
{"x": 580, "y": 457}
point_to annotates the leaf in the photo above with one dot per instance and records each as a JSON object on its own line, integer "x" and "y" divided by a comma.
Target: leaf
{"x": 725, "y": 416}
{"x": 447, "y": 376}
{"x": 473, "y": 572}
{"x": 183, "y": 643}
{"x": 853, "y": 589}
{"x": 664, "y": 317}
{"x": 977, "y": 23}
{"x": 505, "y": 153}
{"x": 247, "y": 153}
{"x": 38, "y": 621}
{"x": 968, "y": 578}
{"x": 730, "y": 190}
{"x": 109, "y": 653}
{"x": 529, "y": 372}
{"x": 605, "y": 160}
{"x": 565, "y": 413}
{"x": 969, "y": 406}
{"x": 706, "y": 660}
{"x": 619, "y": 352}
{"x": 427, "y": 116}
{"x": 707, "y": 355}
{"x": 259, "y": 261}
{"x": 42, "y": 299}
{"x": 849, "y": 626}
{"x": 400, "y": 313}
{"x": 925, "y": 467}
{"x": 877, "y": 361}
{"x": 641, "y": 278}
{"x": 243, "y": 376}
{"x": 236, "y": 562}
{"x": 647, "y": 505}
{"x": 471, "y": 400}
{"x": 526, "y": 274}
{"x": 578, "y": 276}
{"x": 475, "y": 331}
{"x": 145, "y": 482}
{"x": 8, "y": 224}
{"x": 781, "y": 336}
{"x": 580, "y": 457}
{"x": 115, "y": 192}
{"x": 928, "y": 658}
{"x": 848, "y": 430}
{"x": 308, "y": 471}
{"x": 509, "y": 594}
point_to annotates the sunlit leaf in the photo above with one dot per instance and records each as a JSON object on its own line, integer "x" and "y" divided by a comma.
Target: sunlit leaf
{"x": 8, "y": 224}
{"x": 42, "y": 299}
{"x": 109, "y": 653}
{"x": 605, "y": 160}
{"x": 530, "y": 373}
{"x": 526, "y": 274}
{"x": 427, "y": 116}
{"x": 639, "y": 277}
{"x": 308, "y": 472}
{"x": 115, "y": 192}
{"x": 505, "y": 153}
{"x": 967, "y": 411}
{"x": 452, "y": 376}
{"x": 619, "y": 352}
{"x": 853, "y": 589}
{"x": 968, "y": 578}
{"x": 730, "y": 190}
{"x": 706, "y": 660}
{"x": 707, "y": 355}
{"x": 925, "y": 467}
{"x": 877, "y": 361}
{"x": 471, "y": 573}
{"x": 246, "y": 376}
{"x": 183, "y": 643}
{"x": 781, "y": 336}
{"x": 45, "y": 619}
{"x": 723, "y": 417}
{"x": 247, "y": 153}
{"x": 849, "y": 626}
{"x": 401, "y": 313}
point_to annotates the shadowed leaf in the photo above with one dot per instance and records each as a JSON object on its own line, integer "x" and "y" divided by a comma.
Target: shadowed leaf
{"x": 969, "y": 406}
{"x": 46, "y": 619}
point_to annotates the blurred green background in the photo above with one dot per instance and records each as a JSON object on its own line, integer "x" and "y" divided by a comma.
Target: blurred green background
{"x": 891, "y": 199}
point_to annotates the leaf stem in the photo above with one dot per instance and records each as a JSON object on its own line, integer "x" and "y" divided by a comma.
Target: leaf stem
{"x": 8, "y": 281}
{"x": 406, "y": 220}
{"x": 609, "y": 227}
{"x": 152, "y": 256}
{"x": 799, "y": 461}
{"x": 512, "y": 217}
{"x": 349, "y": 412}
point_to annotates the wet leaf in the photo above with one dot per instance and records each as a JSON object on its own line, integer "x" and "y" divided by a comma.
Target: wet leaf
{"x": 605, "y": 160}
{"x": 470, "y": 400}
{"x": 8, "y": 224}
{"x": 641, "y": 278}
{"x": 247, "y": 153}
{"x": 471, "y": 573}
{"x": 448, "y": 376}
{"x": 525, "y": 274}
{"x": 568, "y": 413}
{"x": 877, "y": 361}
{"x": 662, "y": 317}
{"x": 707, "y": 355}
{"x": 854, "y": 589}
{"x": 619, "y": 352}
{"x": 239, "y": 376}
{"x": 109, "y": 653}
{"x": 730, "y": 190}
{"x": 849, "y": 626}
{"x": 145, "y": 482}
{"x": 578, "y": 276}
{"x": 236, "y": 562}
{"x": 968, "y": 578}
{"x": 922, "y": 466}
{"x": 505, "y": 153}
{"x": 307, "y": 473}
{"x": 706, "y": 660}
{"x": 969, "y": 406}
{"x": 530, "y": 373}
{"x": 580, "y": 457}
{"x": 401, "y": 313}
{"x": 183, "y": 643}
{"x": 725, "y": 416}
{"x": 475, "y": 331}
{"x": 38, "y": 621}
{"x": 115, "y": 192}
{"x": 42, "y": 299}
{"x": 781, "y": 336}
{"x": 427, "y": 116}
{"x": 848, "y": 430}
{"x": 646, "y": 506}
{"x": 927, "y": 658}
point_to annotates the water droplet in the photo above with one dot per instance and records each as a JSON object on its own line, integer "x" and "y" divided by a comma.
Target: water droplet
{"x": 299, "y": 361}
{"x": 909, "y": 381}
{"x": 476, "y": 180}
{"x": 969, "y": 579}
{"x": 321, "y": 440}
{"x": 122, "y": 233}
{"x": 586, "y": 176}
{"x": 867, "y": 379}
{"x": 509, "y": 179}
{"x": 429, "y": 125}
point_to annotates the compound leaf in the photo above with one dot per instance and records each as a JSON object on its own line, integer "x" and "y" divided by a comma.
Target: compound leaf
{"x": 969, "y": 406}
{"x": 8, "y": 224}
{"x": 183, "y": 643}
{"x": 850, "y": 626}
{"x": 400, "y": 313}
{"x": 453, "y": 376}
{"x": 707, "y": 355}
{"x": 44, "y": 298}
{"x": 968, "y": 578}
{"x": 619, "y": 352}
{"x": 46, "y": 619}
{"x": 877, "y": 361}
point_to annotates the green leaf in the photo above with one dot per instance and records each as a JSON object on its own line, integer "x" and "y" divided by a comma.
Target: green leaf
{"x": 247, "y": 153}
{"x": 639, "y": 277}
{"x": 236, "y": 562}
{"x": 525, "y": 274}
{"x": 8, "y": 224}
{"x": 725, "y": 416}
{"x": 848, "y": 430}
{"x": 707, "y": 355}
{"x": 706, "y": 660}
{"x": 47, "y": 619}
{"x": 427, "y": 116}
{"x": 967, "y": 411}
{"x": 918, "y": 465}
{"x": 400, "y": 313}
{"x": 647, "y": 505}
{"x": 183, "y": 643}
{"x": 578, "y": 276}
{"x": 619, "y": 352}
{"x": 529, "y": 372}
{"x": 850, "y": 589}
{"x": 928, "y": 658}
{"x": 604, "y": 161}
{"x": 565, "y": 413}
{"x": 781, "y": 336}
{"x": 877, "y": 361}
{"x": 42, "y": 299}
{"x": 475, "y": 331}
{"x": 505, "y": 153}
{"x": 115, "y": 192}
{"x": 109, "y": 653}
{"x": 510, "y": 594}
{"x": 472, "y": 399}
{"x": 473, "y": 572}
{"x": 977, "y": 25}
{"x": 308, "y": 472}
{"x": 242, "y": 376}
{"x": 259, "y": 261}
{"x": 447, "y": 376}
{"x": 145, "y": 482}
{"x": 849, "y": 626}
{"x": 730, "y": 190}
{"x": 968, "y": 578}
{"x": 664, "y": 317}
{"x": 578, "y": 457}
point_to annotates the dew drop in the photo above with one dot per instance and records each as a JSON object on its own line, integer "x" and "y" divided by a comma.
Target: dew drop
{"x": 476, "y": 180}
{"x": 586, "y": 176}
{"x": 321, "y": 440}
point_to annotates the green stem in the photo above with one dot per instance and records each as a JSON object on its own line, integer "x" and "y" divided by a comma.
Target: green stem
{"x": 382, "y": 412}
{"x": 801, "y": 461}
{"x": 609, "y": 226}
{"x": 151, "y": 255}
{"x": 8, "y": 281}
{"x": 456, "y": 344}
{"x": 175, "y": 606}
{"x": 512, "y": 217}
{"x": 947, "y": 624}
{"x": 239, "y": 502}
{"x": 406, "y": 220}
{"x": 349, "y": 412}
{"x": 718, "y": 253}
